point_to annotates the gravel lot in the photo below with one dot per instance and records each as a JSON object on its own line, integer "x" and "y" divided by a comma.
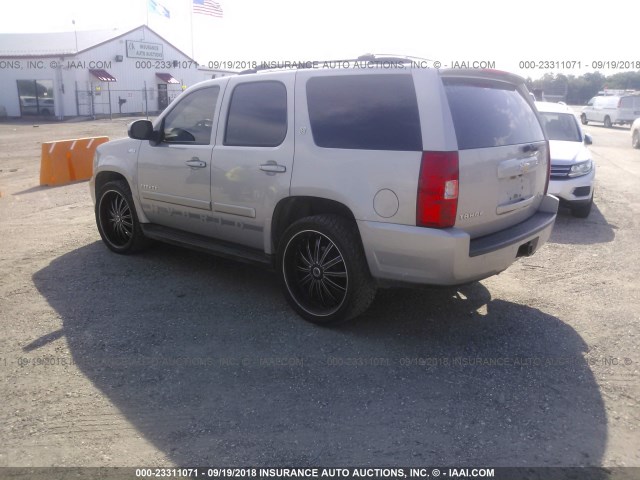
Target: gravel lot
{"x": 171, "y": 357}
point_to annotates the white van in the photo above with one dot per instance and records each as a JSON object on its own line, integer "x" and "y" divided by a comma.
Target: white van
{"x": 612, "y": 109}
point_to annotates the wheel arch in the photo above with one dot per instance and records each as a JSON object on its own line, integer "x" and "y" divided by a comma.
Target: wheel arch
{"x": 104, "y": 176}
{"x": 290, "y": 209}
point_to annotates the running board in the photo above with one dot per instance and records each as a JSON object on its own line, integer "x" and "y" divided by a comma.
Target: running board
{"x": 204, "y": 244}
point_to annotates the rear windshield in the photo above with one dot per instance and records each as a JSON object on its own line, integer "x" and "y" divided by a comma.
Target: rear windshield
{"x": 561, "y": 126}
{"x": 490, "y": 114}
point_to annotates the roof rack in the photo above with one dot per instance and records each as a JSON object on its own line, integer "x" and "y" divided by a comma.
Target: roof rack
{"x": 368, "y": 57}
{"x": 618, "y": 91}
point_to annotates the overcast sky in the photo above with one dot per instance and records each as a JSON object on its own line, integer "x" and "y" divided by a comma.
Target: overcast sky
{"x": 504, "y": 32}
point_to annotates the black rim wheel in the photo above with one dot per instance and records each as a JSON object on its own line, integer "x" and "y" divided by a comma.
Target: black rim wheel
{"x": 315, "y": 273}
{"x": 116, "y": 219}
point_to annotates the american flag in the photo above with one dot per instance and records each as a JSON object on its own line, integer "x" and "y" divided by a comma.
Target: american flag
{"x": 207, "y": 7}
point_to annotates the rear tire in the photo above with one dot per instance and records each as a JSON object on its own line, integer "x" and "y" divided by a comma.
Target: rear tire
{"x": 583, "y": 211}
{"x": 117, "y": 219}
{"x": 635, "y": 139}
{"x": 607, "y": 122}
{"x": 324, "y": 272}
{"x": 583, "y": 119}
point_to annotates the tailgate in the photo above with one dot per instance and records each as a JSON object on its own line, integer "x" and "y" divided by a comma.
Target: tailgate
{"x": 503, "y": 154}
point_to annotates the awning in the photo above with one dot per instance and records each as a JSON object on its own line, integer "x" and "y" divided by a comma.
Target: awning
{"x": 167, "y": 77}
{"x": 103, "y": 75}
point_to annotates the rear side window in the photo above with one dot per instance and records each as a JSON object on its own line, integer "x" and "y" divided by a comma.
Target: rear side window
{"x": 490, "y": 114}
{"x": 257, "y": 115}
{"x": 369, "y": 112}
{"x": 630, "y": 102}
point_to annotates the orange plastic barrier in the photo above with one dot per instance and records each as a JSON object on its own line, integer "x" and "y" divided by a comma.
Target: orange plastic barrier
{"x": 66, "y": 161}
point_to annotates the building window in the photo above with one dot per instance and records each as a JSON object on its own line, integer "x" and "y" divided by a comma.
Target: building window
{"x": 36, "y": 97}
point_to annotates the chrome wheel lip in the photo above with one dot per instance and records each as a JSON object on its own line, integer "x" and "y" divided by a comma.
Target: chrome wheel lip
{"x": 315, "y": 270}
{"x": 116, "y": 219}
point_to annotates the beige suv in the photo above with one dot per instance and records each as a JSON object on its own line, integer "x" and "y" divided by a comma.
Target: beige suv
{"x": 342, "y": 180}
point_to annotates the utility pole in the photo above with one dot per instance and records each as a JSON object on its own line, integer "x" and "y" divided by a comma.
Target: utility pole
{"x": 75, "y": 32}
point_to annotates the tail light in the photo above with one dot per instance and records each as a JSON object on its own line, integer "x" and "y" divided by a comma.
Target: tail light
{"x": 437, "y": 203}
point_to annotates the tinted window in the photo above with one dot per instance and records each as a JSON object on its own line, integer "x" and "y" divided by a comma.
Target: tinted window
{"x": 371, "y": 112}
{"x": 257, "y": 115}
{"x": 561, "y": 126}
{"x": 191, "y": 120}
{"x": 490, "y": 114}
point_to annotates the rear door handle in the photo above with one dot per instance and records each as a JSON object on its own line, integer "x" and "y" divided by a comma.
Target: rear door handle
{"x": 195, "y": 162}
{"x": 273, "y": 168}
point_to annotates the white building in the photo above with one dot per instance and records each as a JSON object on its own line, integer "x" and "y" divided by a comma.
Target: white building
{"x": 93, "y": 73}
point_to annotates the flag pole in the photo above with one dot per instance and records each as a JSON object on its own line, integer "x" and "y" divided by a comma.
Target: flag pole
{"x": 191, "y": 17}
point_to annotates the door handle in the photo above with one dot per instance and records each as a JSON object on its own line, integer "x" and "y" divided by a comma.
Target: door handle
{"x": 195, "y": 162}
{"x": 273, "y": 167}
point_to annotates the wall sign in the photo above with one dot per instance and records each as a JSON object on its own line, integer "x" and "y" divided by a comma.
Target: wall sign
{"x": 144, "y": 50}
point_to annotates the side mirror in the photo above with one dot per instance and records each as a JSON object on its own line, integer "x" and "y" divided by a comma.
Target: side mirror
{"x": 587, "y": 139}
{"x": 140, "y": 130}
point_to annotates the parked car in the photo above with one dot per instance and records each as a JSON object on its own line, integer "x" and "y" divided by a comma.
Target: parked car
{"x": 47, "y": 106}
{"x": 37, "y": 106}
{"x": 635, "y": 134}
{"x": 572, "y": 168}
{"x": 612, "y": 109}
{"x": 343, "y": 180}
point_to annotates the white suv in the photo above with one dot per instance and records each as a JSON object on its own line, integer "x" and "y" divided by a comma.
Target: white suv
{"x": 572, "y": 169}
{"x": 635, "y": 133}
{"x": 341, "y": 179}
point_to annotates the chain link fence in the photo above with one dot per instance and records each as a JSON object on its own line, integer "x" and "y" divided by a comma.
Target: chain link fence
{"x": 103, "y": 100}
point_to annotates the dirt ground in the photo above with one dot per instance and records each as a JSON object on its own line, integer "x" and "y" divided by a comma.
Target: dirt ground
{"x": 174, "y": 358}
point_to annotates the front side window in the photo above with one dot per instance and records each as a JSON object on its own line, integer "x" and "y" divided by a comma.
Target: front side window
{"x": 191, "y": 120}
{"x": 369, "y": 112}
{"x": 257, "y": 115}
{"x": 487, "y": 113}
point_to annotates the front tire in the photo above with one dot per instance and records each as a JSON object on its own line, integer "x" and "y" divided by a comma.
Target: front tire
{"x": 323, "y": 269}
{"x": 117, "y": 219}
{"x": 583, "y": 119}
{"x": 583, "y": 211}
{"x": 635, "y": 139}
{"x": 607, "y": 122}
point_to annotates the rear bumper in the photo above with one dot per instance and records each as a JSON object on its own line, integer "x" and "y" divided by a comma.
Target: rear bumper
{"x": 450, "y": 257}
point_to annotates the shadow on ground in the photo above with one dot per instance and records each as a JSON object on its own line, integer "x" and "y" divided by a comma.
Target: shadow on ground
{"x": 582, "y": 231}
{"x": 426, "y": 377}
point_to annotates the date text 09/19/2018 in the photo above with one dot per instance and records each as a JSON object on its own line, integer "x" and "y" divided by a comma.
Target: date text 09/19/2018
{"x": 578, "y": 64}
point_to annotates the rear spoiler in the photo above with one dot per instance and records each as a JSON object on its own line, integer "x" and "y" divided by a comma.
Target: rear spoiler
{"x": 487, "y": 74}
